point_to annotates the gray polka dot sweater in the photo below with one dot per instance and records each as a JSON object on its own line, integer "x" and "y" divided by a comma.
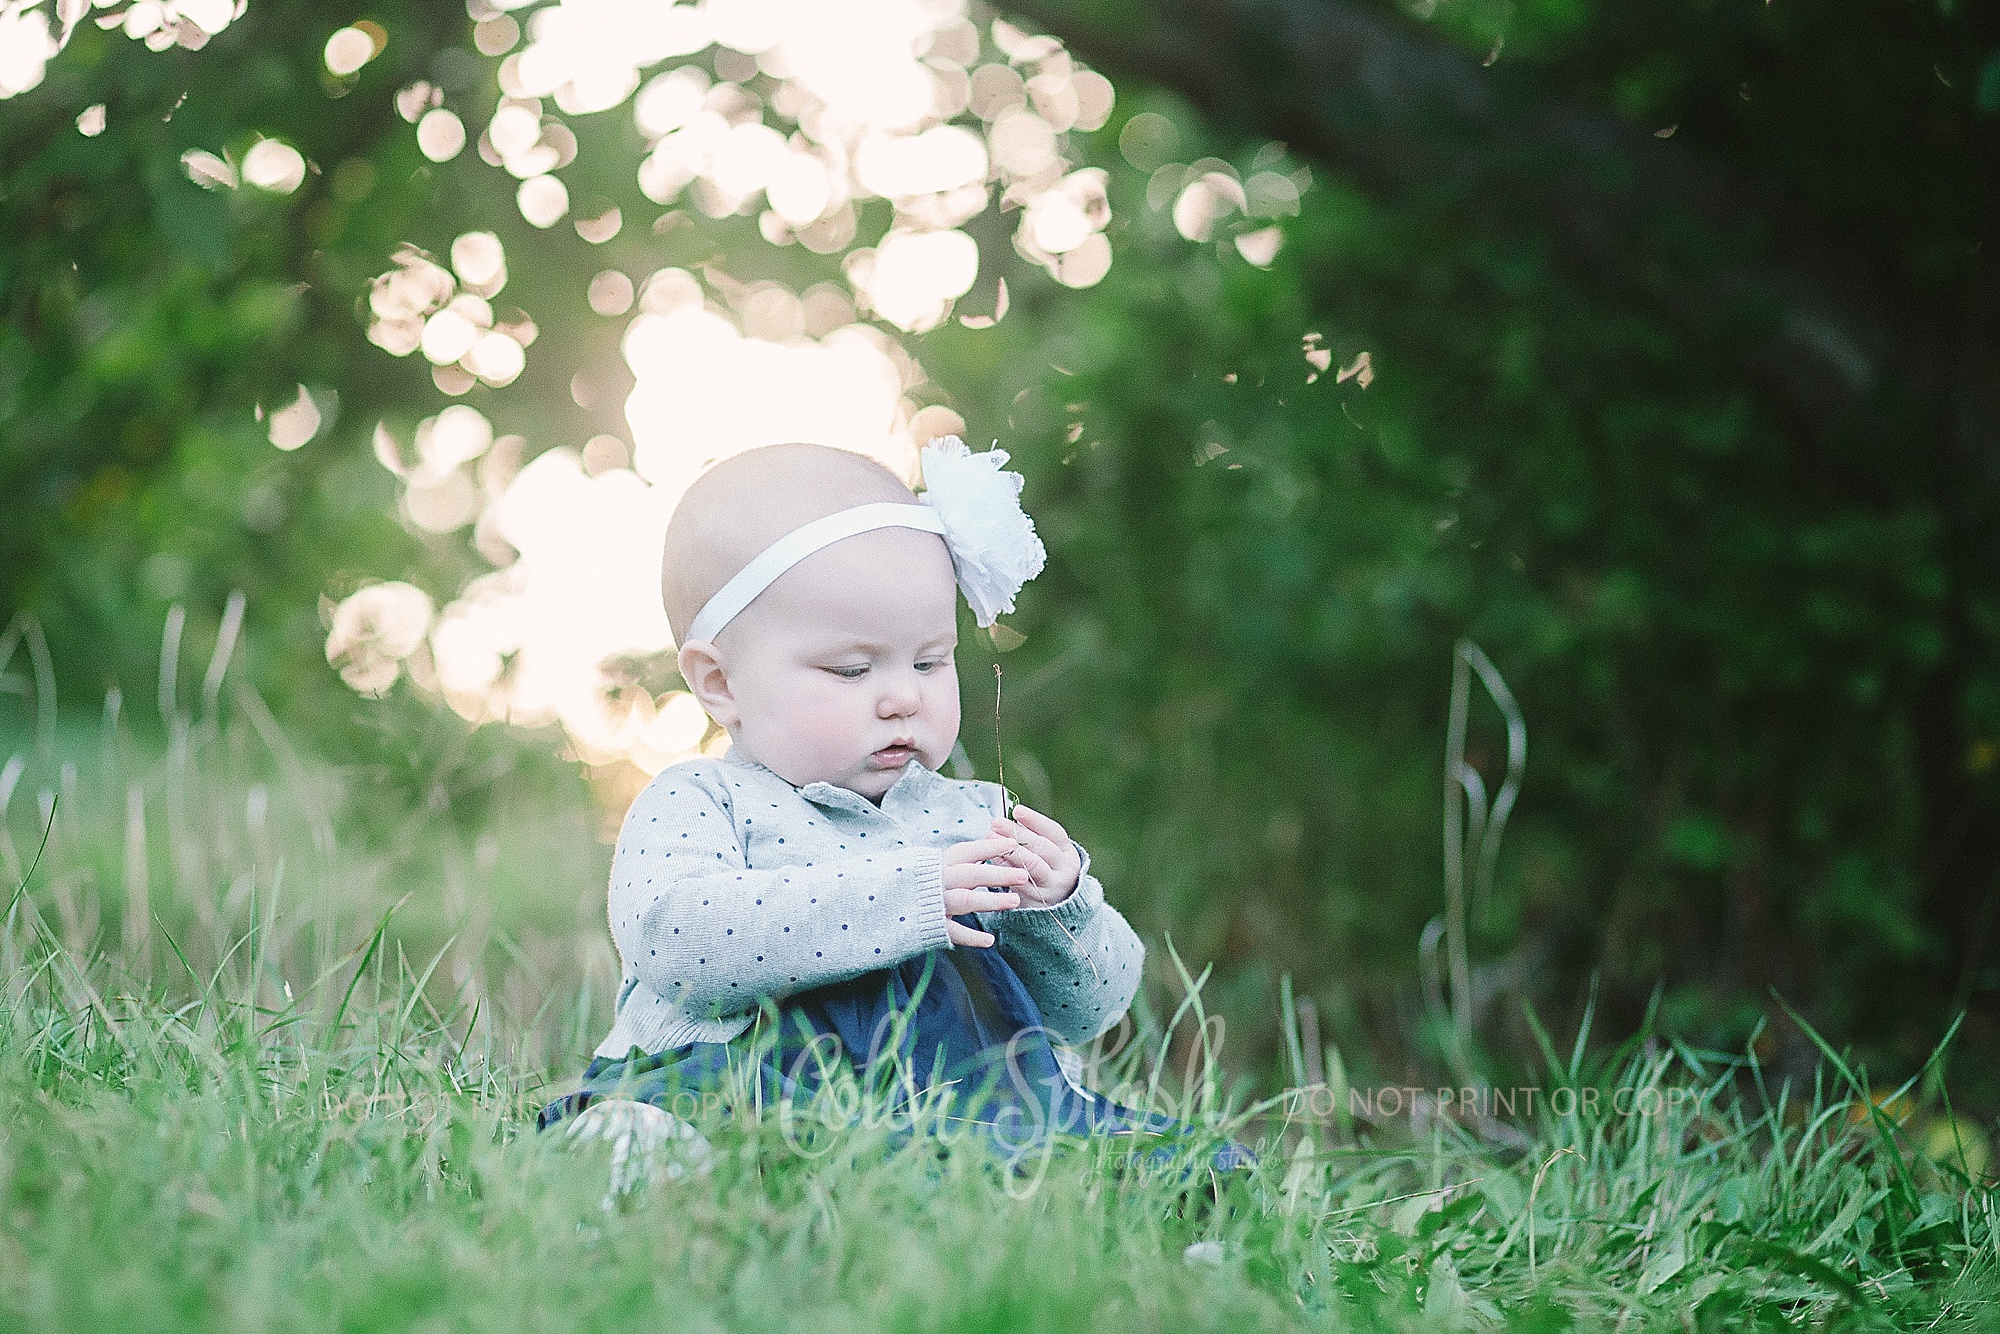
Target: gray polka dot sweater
{"x": 728, "y": 884}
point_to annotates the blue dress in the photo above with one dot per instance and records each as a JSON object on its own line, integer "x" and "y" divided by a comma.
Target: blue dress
{"x": 965, "y": 1018}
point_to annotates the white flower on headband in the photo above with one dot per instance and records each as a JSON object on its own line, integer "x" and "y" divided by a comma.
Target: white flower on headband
{"x": 993, "y": 543}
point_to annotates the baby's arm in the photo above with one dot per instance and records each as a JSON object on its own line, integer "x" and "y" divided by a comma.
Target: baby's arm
{"x": 708, "y": 933}
{"x": 1077, "y": 1001}
{"x": 1079, "y": 958}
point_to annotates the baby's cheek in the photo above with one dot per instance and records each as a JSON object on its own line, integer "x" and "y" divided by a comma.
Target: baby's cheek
{"x": 947, "y": 688}
{"x": 944, "y": 708}
{"x": 832, "y": 720}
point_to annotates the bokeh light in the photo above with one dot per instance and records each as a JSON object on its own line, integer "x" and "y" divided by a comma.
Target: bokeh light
{"x": 274, "y": 166}
{"x": 208, "y": 170}
{"x": 578, "y": 534}
{"x": 375, "y": 631}
{"x": 28, "y": 41}
{"x": 348, "y": 50}
{"x": 294, "y": 424}
{"x": 866, "y": 105}
{"x": 440, "y": 134}
{"x": 26, "y": 46}
{"x": 543, "y": 200}
{"x": 796, "y": 115}
{"x": 418, "y": 306}
{"x": 1261, "y": 246}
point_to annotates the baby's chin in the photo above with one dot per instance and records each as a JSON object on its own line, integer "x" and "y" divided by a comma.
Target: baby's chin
{"x": 873, "y": 781}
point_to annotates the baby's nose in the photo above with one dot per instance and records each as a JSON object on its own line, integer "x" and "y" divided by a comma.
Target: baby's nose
{"x": 900, "y": 694}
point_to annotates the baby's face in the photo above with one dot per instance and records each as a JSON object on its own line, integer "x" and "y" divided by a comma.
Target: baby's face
{"x": 842, "y": 671}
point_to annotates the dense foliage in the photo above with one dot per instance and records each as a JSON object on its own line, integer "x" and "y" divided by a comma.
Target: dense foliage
{"x": 1750, "y": 610}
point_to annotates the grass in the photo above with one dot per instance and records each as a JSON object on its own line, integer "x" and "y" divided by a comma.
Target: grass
{"x": 267, "y": 1102}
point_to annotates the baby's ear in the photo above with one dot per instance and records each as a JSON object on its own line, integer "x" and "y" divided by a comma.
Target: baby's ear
{"x": 702, "y": 668}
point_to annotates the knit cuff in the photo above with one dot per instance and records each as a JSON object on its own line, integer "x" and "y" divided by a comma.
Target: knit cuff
{"x": 927, "y": 920}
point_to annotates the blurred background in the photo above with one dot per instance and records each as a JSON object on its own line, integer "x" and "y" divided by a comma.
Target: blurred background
{"x": 1445, "y": 419}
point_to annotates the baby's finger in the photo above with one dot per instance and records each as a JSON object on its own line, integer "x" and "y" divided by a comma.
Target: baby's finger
{"x": 1047, "y": 848}
{"x": 965, "y": 935}
{"x": 1035, "y": 864}
{"x": 978, "y": 850}
{"x": 1039, "y": 823}
{"x": 980, "y": 875}
{"x": 958, "y": 902}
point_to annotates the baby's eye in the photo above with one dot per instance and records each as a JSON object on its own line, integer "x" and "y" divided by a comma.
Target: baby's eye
{"x": 926, "y": 665}
{"x": 848, "y": 673}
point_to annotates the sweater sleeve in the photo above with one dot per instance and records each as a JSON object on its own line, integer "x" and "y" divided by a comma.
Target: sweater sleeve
{"x": 1079, "y": 959}
{"x": 709, "y": 934}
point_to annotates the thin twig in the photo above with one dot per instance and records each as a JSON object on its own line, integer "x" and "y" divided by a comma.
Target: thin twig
{"x": 1007, "y": 805}
{"x": 999, "y": 756}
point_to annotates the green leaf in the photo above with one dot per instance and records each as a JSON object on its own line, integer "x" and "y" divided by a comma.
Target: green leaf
{"x": 1667, "y": 1260}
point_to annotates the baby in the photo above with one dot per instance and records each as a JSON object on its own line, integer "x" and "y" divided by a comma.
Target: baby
{"x": 822, "y": 861}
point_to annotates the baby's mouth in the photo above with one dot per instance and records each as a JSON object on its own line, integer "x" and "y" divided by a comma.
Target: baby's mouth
{"x": 890, "y": 757}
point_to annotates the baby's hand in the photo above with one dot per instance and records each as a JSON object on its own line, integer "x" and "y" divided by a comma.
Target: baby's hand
{"x": 967, "y": 876}
{"x": 1044, "y": 851}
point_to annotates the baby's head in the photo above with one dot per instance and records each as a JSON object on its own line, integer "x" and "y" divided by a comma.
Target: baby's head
{"x": 848, "y": 652}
